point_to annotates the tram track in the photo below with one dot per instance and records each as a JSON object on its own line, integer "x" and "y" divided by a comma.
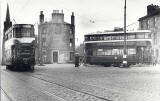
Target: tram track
{"x": 114, "y": 93}
{"x": 3, "y": 92}
{"x": 73, "y": 89}
{"x": 38, "y": 90}
{"x": 62, "y": 86}
{"x": 80, "y": 88}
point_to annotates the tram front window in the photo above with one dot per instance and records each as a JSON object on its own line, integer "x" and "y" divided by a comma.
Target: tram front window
{"x": 23, "y": 32}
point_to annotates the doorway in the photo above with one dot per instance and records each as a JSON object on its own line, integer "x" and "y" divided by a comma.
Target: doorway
{"x": 55, "y": 57}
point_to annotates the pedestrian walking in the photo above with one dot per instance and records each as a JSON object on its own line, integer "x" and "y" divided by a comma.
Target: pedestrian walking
{"x": 154, "y": 61}
{"x": 76, "y": 60}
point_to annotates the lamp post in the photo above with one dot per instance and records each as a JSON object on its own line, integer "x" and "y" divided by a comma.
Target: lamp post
{"x": 125, "y": 52}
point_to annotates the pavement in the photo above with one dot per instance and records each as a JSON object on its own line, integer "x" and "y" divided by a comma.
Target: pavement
{"x": 64, "y": 82}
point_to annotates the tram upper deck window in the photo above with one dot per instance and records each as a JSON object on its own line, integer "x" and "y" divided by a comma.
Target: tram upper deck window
{"x": 131, "y": 36}
{"x": 23, "y": 32}
{"x": 147, "y": 36}
{"x": 140, "y": 36}
{"x": 101, "y": 37}
{"x": 121, "y": 37}
{"x": 115, "y": 37}
{"x": 107, "y": 38}
{"x": 86, "y": 38}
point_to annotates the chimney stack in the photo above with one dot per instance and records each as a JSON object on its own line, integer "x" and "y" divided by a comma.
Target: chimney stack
{"x": 41, "y": 17}
{"x": 72, "y": 19}
{"x": 152, "y": 9}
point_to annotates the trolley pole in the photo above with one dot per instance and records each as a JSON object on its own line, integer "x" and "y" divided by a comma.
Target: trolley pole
{"x": 125, "y": 52}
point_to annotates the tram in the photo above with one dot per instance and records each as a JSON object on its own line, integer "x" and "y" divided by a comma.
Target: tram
{"x": 19, "y": 42}
{"x": 107, "y": 48}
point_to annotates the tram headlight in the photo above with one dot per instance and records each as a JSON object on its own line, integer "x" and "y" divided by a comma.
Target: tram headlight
{"x": 16, "y": 42}
{"x": 34, "y": 43}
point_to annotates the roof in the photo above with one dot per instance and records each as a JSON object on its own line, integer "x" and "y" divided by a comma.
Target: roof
{"x": 120, "y": 32}
{"x": 156, "y": 12}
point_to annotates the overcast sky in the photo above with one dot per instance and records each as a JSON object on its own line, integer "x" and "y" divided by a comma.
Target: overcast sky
{"x": 106, "y": 14}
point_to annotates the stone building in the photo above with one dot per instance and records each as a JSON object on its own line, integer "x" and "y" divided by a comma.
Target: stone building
{"x": 152, "y": 22}
{"x": 56, "y": 39}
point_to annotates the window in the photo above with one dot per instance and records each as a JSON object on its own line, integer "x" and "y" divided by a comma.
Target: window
{"x": 131, "y": 36}
{"x": 140, "y": 36}
{"x": 108, "y": 52}
{"x": 115, "y": 52}
{"x": 70, "y": 31}
{"x": 157, "y": 52}
{"x": 147, "y": 36}
{"x": 44, "y": 30}
{"x": 115, "y": 37}
{"x": 86, "y": 38}
{"x": 121, "y": 37}
{"x": 23, "y": 32}
{"x": 101, "y": 37}
{"x": 155, "y": 38}
{"x": 44, "y": 44}
{"x": 71, "y": 56}
{"x": 43, "y": 39}
{"x": 121, "y": 51}
{"x": 100, "y": 52}
{"x": 71, "y": 42}
{"x": 141, "y": 25}
{"x": 6, "y": 37}
{"x": 147, "y": 24}
{"x": 107, "y": 38}
{"x": 154, "y": 21}
{"x": 131, "y": 51}
{"x": 90, "y": 52}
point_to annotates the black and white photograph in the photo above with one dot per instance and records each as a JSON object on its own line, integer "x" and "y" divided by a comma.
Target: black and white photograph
{"x": 80, "y": 50}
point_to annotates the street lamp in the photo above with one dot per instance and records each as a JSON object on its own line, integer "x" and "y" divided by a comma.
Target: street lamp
{"x": 125, "y": 52}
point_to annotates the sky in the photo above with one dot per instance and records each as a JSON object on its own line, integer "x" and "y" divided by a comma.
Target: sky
{"x": 90, "y": 15}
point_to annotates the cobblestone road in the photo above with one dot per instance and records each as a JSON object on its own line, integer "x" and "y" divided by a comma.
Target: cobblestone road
{"x": 64, "y": 82}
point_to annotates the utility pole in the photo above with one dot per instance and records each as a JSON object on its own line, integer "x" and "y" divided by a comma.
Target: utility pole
{"x": 125, "y": 52}
{"x": 0, "y": 37}
{"x": 40, "y": 46}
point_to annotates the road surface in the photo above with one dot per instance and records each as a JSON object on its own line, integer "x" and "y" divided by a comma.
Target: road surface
{"x": 64, "y": 82}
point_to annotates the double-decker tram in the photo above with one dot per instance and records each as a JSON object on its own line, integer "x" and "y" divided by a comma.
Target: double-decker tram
{"x": 107, "y": 48}
{"x": 20, "y": 47}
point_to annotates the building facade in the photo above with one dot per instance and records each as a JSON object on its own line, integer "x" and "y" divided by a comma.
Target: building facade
{"x": 7, "y": 25}
{"x": 56, "y": 39}
{"x": 152, "y": 22}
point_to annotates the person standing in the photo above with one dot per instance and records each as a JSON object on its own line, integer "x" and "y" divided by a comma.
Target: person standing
{"x": 76, "y": 60}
